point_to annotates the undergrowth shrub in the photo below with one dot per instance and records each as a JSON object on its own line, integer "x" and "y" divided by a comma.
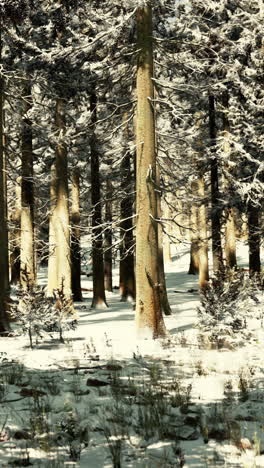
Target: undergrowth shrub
{"x": 39, "y": 315}
{"x": 225, "y": 306}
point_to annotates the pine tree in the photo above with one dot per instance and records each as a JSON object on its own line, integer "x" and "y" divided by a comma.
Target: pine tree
{"x": 148, "y": 304}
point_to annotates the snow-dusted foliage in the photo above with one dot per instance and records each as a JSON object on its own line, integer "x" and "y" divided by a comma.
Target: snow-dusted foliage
{"x": 226, "y": 305}
{"x": 39, "y": 316}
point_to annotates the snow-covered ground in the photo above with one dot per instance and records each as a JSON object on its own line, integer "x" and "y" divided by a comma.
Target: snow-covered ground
{"x": 85, "y": 396}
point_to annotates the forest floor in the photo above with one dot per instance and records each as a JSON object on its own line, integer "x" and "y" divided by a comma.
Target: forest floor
{"x": 104, "y": 399}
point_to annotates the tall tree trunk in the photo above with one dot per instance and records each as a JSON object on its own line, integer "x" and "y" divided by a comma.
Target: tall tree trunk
{"x": 27, "y": 246}
{"x": 52, "y": 261}
{"x": 127, "y": 285}
{"x": 148, "y": 304}
{"x": 254, "y": 238}
{"x": 230, "y": 231}
{"x": 99, "y": 300}
{"x": 215, "y": 204}
{"x": 4, "y": 270}
{"x": 15, "y": 239}
{"x": 202, "y": 235}
{"x": 193, "y": 218}
{"x": 75, "y": 237}
{"x": 61, "y": 211}
{"x": 108, "y": 238}
{"x": 166, "y": 309}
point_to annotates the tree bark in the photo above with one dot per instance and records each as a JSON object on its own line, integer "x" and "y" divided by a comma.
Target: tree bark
{"x": 108, "y": 280}
{"x": 15, "y": 238}
{"x": 230, "y": 229}
{"x": 61, "y": 211}
{"x": 75, "y": 237}
{"x": 52, "y": 261}
{"x": 193, "y": 219}
{"x": 202, "y": 234}
{"x": 127, "y": 285}
{"x": 27, "y": 246}
{"x": 149, "y": 319}
{"x": 215, "y": 203}
{"x": 254, "y": 238}
{"x": 99, "y": 299}
{"x": 4, "y": 271}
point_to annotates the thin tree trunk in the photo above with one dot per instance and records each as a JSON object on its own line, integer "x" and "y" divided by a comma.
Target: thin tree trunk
{"x": 108, "y": 280}
{"x": 148, "y": 304}
{"x": 166, "y": 309}
{"x": 230, "y": 231}
{"x": 27, "y": 246}
{"x": 202, "y": 235}
{"x": 166, "y": 238}
{"x": 75, "y": 237}
{"x": 254, "y": 238}
{"x": 127, "y": 285}
{"x": 61, "y": 211}
{"x": 215, "y": 204}
{"x": 52, "y": 261}
{"x": 99, "y": 299}
{"x": 4, "y": 271}
{"x": 15, "y": 239}
{"x": 193, "y": 217}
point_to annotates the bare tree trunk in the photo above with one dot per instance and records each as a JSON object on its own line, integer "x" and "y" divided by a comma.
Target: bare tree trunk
{"x": 127, "y": 285}
{"x": 27, "y": 246}
{"x": 15, "y": 238}
{"x": 166, "y": 238}
{"x": 202, "y": 235}
{"x": 61, "y": 209}
{"x": 215, "y": 204}
{"x": 99, "y": 299}
{"x": 253, "y": 238}
{"x": 108, "y": 238}
{"x": 75, "y": 237}
{"x": 193, "y": 219}
{"x": 52, "y": 261}
{"x": 4, "y": 270}
{"x": 149, "y": 317}
{"x": 166, "y": 309}
{"x": 230, "y": 231}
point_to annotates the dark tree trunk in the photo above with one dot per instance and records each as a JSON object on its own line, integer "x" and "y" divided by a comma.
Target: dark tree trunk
{"x": 215, "y": 202}
{"x": 108, "y": 238}
{"x": 4, "y": 273}
{"x": 75, "y": 237}
{"x": 254, "y": 238}
{"x": 127, "y": 272}
{"x": 15, "y": 240}
{"x": 99, "y": 299}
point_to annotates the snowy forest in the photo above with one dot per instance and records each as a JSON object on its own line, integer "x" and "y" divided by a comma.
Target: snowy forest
{"x": 131, "y": 233}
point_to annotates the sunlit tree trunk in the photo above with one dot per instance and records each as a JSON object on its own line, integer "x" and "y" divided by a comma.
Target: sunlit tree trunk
{"x": 75, "y": 236}
{"x": 61, "y": 210}
{"x": 202, "y": 234}
{"x": 15, "y": 238}
{"x": 108, "y": 238}
{"x": 148, "y": 304}
{"x": 27, "y": 245}
{"x": 230, "y": 229}
{"x": 193, "y": 219}
{"x": 52, "y": 261}
{"x": 215, "y": 208}
{"x": 4, "y": 270}
{"x": 99, "y": 299}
